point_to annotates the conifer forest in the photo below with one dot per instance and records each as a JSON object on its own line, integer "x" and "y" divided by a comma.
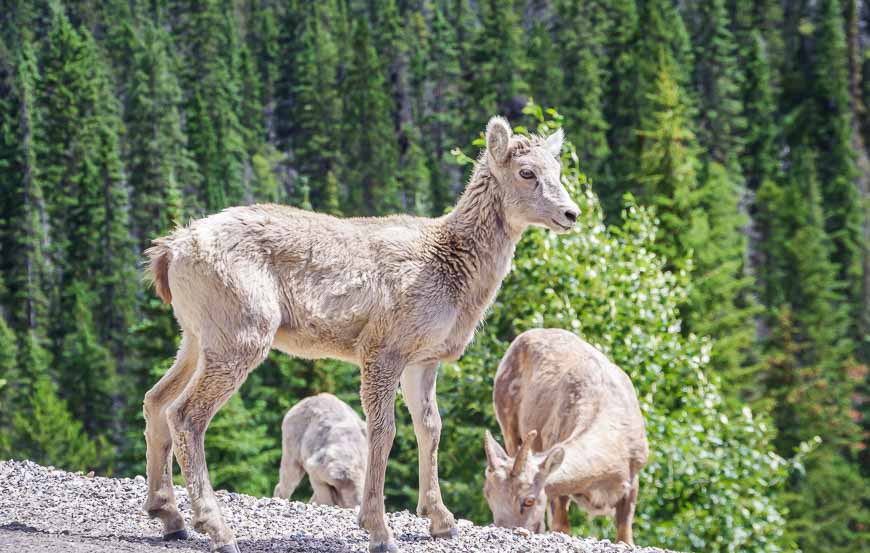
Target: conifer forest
{"x": 719, "y": 151}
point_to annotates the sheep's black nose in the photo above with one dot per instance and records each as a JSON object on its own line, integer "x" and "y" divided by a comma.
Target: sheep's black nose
{"x": 571, "y": 215}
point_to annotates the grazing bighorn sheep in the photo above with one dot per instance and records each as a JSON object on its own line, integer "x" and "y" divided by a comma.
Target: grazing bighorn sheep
{"x": 395, "y": 295}
{"x": 325, "y": 438}
{"x": 584, "y": 437}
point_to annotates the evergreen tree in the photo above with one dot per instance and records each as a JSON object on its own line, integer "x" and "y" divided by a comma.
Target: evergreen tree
{"x": 808, "y": 381}
{"x": 418, "y": 64}
{"x": 587, "y": 116}
{"x": 87, "y": 373}
{"x": 668, "y": 167}
{"x": 88, "y": 205}
{"x": 499, "y": 81}
{"x": 160, "y": 166}
{"x": 8, "y": 374}
{"x": 443, "y": 123}
{"x": 317, "y": 105}
{"x": 22, "y": 208}
{"x": 701, "y": 222}
{"x": 664, "y": 40}
{"x": 414, "y": 174}
{"x": 290, "y": 46}
{"x": 47, "y": 434}
{"x": 620, "y": 98}
{"x": 831, "y": 128}
{"x": 265, "y": 51}
{"x": 545, "y": 71}
{"x": 798, "y": 273}
{"x": 332, "y": 205}
{"x": 765, "y": 17}
{"x": 370, "y": 146}
{"x": 392, "y": 46}
{"x": 720, "y": 302}
{"x": 718, "y": 83}
{"x": 235, "y": 443}
{"x": 759, "y": 158}
{"x": 213, "y": 79}
{"x": 582, "y": 36}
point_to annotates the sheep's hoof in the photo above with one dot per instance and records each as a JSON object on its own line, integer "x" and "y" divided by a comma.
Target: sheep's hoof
{"x": 177, "y": 535}
{"x": 228, "y": 548}
{"x": 448, "y": 533}
{"x": 386, "y": 547}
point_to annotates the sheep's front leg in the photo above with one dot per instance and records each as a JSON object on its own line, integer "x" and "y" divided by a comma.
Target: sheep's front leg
{"x": 378, "y": 395}
{"x": 559, "y": 514}
{"x": 418, "y": 389}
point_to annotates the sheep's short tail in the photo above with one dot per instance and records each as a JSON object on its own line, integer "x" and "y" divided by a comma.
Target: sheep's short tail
{"x": 158, "y": 268}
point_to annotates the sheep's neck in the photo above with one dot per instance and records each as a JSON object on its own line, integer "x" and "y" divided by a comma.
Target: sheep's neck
{"x": 477, "y": 236}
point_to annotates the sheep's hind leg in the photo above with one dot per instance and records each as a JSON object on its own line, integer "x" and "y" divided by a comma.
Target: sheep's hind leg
{"x": 290, "y": 476}
{"x": 158, "y": 439}
{"x": 219, "y": 374}
{"x": 625, "y": 515}
{"x": 418, "y": 389}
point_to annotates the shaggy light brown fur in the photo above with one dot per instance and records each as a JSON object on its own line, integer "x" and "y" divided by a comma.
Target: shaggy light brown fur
{"x": 394, "y": 295}
{"x": 323, "y": 437}
{"x": 573, "y": 430}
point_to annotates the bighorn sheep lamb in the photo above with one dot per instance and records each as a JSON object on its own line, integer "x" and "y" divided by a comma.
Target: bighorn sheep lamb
{"x": 394, "y": 295}
{"x": 325, "y": 438}
{"x": 584, "y": 437}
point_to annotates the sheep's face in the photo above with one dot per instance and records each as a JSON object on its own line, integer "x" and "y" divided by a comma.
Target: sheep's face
{"x": 529, "y": 172}
{"x": 516, "y": 492}
{"x": 341, "y": 465}
{"x": 347, "y": 492}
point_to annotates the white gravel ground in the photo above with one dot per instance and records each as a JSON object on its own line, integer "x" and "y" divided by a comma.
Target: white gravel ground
{"x": 48, "y": 510}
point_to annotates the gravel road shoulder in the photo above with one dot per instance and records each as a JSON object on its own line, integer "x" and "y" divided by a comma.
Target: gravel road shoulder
{"x": 51, "y": 511}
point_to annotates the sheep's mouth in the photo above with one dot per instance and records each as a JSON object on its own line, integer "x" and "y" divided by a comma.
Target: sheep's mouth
{"x": 561, "y": 226}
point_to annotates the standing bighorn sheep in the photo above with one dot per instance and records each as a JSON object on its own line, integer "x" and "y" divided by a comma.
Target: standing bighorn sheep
{"x": 394, "y": 295}
{"x": 583, "y": 436}
{"x": 325, "y": 438}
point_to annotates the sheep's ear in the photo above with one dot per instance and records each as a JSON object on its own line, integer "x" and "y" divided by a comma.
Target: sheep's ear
{"x": 553, "y": 461}
{"x": 495, "y": 454}
{"x": 498, "y": 139}
{"x": 554, "y": 142}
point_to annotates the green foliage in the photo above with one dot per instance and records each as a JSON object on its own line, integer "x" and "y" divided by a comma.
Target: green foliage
{"x": 718, "y": 83}
{"x": 668, "y": 169}
{"x": 500, "y": 63}
{"x": 86, "y": 369}
{"x": 156, "y": 154}
{"x": 47, "y": 433}
{"x": 8, "y": 366}
{"x": 317, "y": 139}
{"x": 235, "y": 443}
{"x": 22, "y": 204}
{"x": 372, "y": 156}
{"x": 442, "y": 123}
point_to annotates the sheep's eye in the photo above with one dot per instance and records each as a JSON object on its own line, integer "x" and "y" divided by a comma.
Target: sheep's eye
{"x": 527, "y": 174}
{"x": 529, "y": 502}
